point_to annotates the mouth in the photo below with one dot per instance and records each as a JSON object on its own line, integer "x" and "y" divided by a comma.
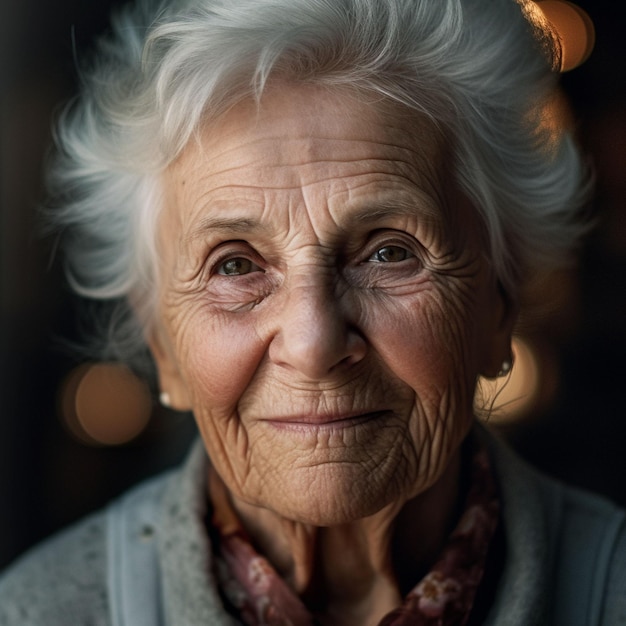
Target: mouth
{"x": 325, "y": 421}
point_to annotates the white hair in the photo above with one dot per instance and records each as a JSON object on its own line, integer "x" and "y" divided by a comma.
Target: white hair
{"x": 479, "y": 68}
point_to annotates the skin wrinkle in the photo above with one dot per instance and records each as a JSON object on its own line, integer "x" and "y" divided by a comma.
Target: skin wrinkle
{"x": 310, "y": 188}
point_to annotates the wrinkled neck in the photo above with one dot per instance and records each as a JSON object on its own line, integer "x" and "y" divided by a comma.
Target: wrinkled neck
{"x": 359, "y": 570}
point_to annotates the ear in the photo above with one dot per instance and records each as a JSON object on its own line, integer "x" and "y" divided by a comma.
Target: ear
{"x": 171, "y": 380}
{"x": 501, "y": 323}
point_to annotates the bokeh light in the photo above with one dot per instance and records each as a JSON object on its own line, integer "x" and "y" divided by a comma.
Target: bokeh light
{"x": 574, "y": 28}
{"x": 105, "y": 404}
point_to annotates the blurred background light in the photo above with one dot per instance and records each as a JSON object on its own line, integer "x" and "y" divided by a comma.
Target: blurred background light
{"x": 574, "y": 28}
{"x": 105, "y": 404}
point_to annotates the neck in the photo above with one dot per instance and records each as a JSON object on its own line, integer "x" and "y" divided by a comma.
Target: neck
{"x": 354, "y": 573}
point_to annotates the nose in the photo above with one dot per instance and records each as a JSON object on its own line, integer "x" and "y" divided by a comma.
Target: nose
{"x": 314, "y": 335}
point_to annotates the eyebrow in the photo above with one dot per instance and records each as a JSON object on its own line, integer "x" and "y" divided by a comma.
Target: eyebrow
{"x": 362, "y": 216}
{"x": 396, "y": 208}
{"x": 235, "y": 225}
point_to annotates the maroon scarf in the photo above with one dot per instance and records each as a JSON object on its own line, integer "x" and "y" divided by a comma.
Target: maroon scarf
{"x": 444, "y": 597}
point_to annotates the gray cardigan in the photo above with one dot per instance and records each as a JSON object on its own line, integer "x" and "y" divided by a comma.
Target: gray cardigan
{"x": 146, "y": 560}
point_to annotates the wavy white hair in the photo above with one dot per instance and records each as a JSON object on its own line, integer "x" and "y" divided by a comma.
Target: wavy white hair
{"x": 476, "y": 67}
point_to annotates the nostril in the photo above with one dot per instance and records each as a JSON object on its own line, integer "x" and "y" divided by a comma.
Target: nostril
{"x": 316, "y": 349}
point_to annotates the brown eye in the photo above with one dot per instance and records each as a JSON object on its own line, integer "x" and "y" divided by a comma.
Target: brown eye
{"x": 237, "y": 267}
{"x": 390, "y": 254}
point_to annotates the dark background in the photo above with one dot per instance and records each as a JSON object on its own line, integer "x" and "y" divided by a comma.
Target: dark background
{"x": 48, "y": 479}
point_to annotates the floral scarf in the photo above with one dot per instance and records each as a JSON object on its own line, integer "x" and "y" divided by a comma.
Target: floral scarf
{"x": 444, "y": 597}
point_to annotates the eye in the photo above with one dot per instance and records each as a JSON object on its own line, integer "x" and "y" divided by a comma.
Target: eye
{"x": 390, "y": 254}
{"x": 237, "y": 266}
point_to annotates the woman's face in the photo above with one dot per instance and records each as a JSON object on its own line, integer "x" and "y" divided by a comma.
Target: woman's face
{"x": 325, "y": 303}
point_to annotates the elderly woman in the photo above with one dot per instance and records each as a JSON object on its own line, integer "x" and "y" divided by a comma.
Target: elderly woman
{"x": 318, "y": 215}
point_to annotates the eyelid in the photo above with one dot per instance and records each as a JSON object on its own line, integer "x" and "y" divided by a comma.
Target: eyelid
{"x": 409, "y": 253}
{"x": 381, "y": 239}
{"x": 229, "y": 250}
{"x": 253, "y": 266}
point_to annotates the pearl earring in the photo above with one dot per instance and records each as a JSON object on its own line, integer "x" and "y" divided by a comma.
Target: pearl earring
{"x": 164, "y": 398}
{"x": 505, "y": 368}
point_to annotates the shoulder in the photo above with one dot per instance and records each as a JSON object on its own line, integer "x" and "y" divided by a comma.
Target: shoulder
{"x": 614, "y": 607}
{"x": 566, "y": 548}
{"x": 65, "y": 580}
{"x": 140, "y": 561}
{"x": 589, "y": 556}
{"x": 62, "y": 581}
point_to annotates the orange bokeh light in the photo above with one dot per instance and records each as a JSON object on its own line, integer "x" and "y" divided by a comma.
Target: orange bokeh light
{"x": 574, "y": 28}
{"x": 105, "y": 404}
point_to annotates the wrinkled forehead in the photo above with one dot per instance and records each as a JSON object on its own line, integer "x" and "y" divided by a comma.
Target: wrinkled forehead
{"x": 314, "y": 123}
{"x": 303, "y": 137}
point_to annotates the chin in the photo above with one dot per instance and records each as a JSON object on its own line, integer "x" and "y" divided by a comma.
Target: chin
{"x": 332, "y": 500}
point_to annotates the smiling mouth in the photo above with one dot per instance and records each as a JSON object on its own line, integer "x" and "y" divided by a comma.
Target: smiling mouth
{"x": 325, "y": 420}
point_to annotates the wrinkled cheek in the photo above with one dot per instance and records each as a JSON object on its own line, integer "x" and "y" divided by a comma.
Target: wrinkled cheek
{"x": 432, "y": 357}
{"x": 219, "y": 366}
{"x": 421, "y": 350}
{"x": 221, "y": 358}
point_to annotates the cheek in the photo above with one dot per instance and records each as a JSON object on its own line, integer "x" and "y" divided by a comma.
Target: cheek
{"x": 427, "y": 344}
{"x": 222, "y": 355}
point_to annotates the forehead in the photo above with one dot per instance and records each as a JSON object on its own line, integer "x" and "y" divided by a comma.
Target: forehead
{"x": 309, "y": 140}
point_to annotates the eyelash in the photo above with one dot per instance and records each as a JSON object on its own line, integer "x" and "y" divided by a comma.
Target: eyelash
{"x": 407, "y": 254}
{"x": 221, "y": 265}
{"x": 233, "y": 255}
{"x": 393, "y": 241}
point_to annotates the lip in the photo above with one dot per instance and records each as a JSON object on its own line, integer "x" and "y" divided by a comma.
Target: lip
{"x": 318, "y": 420}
